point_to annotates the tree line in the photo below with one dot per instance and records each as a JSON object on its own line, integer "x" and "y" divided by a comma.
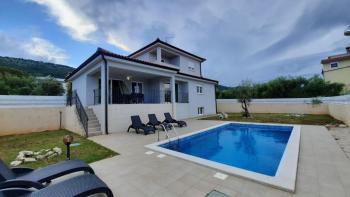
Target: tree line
{"x": 16, "y": 82}
{"x": 286, "y": 87}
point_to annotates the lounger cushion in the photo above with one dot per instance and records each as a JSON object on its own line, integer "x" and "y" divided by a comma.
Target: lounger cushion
{"x": 56, "y": 170}
{"x": 79, "y": 186}
{"x": 5, "y": 172}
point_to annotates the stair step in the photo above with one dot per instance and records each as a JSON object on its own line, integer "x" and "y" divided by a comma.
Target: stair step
{"x": 93, "y": 121}
{"x": 94, "y": 129}
{"x": 94, "y": 125}
{"x": 95, "y": 133}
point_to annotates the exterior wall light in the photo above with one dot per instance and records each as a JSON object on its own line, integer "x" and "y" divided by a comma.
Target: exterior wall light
{"x": 67, "y": 140}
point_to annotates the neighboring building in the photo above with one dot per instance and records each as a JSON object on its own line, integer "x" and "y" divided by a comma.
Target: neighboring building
{"x": 157, "y": 78}
{"x": 336, "y": 68}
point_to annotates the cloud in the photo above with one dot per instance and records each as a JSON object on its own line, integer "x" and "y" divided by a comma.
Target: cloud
{"x": 78, "y": 25}
{"x": 257, "y": 40}
{"x": 34, "y": 48}
{"x": 113, "y": 40}
{"x": 43, "y": 49}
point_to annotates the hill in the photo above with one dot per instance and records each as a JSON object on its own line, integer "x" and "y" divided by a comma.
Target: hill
{"x": 5, "y": 71}
{"x": 221, "y": 87}
{"x": 36, "y": 68}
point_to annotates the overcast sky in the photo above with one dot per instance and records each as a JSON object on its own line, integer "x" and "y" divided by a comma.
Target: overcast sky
{"x": 241, "y": 39}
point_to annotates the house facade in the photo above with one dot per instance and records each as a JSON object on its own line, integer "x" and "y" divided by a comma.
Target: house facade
{"x": 157, "y": 78}
{"x": 336, "y": 68}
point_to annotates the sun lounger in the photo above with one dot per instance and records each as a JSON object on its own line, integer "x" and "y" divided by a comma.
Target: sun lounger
{"x": 169, "y": 119}
{"x": 153, "y": 121}
{"x": 79, "y": 186}
{"x": 15, "y": 177}
{"x": 137, "y": 124}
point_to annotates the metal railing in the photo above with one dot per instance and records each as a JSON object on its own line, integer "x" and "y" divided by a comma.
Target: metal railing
{"x": 148, "y": 97}
{"x": 83, "y": 117}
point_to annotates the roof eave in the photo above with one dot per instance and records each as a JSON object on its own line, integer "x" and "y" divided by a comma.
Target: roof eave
{"x": 201, "y": 59}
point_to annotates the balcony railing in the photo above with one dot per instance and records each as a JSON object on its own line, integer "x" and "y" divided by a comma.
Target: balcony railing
{"x": 149, "y": 97}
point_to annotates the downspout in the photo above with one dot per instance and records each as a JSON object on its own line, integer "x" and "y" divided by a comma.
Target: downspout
{"x": 106, "y": 93}
{"x": 216, "y": 100}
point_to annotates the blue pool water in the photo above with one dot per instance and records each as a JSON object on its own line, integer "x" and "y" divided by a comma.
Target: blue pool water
{"x": 257, "y": 148}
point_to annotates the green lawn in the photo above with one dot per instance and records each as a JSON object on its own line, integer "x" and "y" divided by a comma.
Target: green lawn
{"x": 88, "y": 150}
{"x": 308, "y": 119}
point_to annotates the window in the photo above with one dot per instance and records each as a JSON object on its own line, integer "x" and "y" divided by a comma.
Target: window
{"x": 199, "y": 89}
{"x": 200, "y": 110}
{"x": 334, "y": 65}
{"x": 136, "y": 87}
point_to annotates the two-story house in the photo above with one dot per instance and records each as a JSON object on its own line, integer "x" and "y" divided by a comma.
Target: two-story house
{"x": 336, "y": 68}
{"x": 157, "y": 78}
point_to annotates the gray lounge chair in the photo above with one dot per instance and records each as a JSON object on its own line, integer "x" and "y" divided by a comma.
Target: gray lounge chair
{"x": 153, "y": 121}
{"x": 79, "y": 186}
{"x": 137, "y": 124}
{"x": 17, "y": 177}
{"x": 169, "y": 119}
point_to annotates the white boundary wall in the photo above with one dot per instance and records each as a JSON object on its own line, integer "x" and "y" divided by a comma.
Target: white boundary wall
{"x": 14, "y": 101}
{"x": 338, "y": 106}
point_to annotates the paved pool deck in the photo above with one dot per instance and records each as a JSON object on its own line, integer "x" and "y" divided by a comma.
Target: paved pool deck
{"x": 323, "y": 168}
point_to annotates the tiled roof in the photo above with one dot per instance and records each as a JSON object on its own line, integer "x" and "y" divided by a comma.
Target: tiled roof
{"x": 105, "y": 52}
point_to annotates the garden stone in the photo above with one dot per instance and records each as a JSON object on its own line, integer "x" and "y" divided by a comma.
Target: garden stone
{"x": 343, "y": 125}
{"x": 26, "y": 153}
{"x": 49, "y": 153}
{"x": 29, "y": 159}
{"x": 40, "y": 157}
{"x": 20, "y": 157}
{"x": 16, "y": 163}
{"x": 53, "y": 155}
{"x": 57, "y": 150}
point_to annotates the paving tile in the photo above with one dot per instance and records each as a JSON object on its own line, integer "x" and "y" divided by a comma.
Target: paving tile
{"x": 226, "y": 190}
{"x": 177, "y": 187}
{"x": 193, "y": 192}
{"x": 323, "y": 168}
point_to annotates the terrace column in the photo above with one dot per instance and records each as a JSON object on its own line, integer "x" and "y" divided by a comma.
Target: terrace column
{"x": 173, "y": 100}
{"x": 159, "y": 54}
{"x": 104, "y": 98}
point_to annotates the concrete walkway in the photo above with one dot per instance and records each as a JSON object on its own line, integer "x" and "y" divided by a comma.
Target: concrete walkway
{"x": 342, "y": 136}
{"x": 323, "y": 169}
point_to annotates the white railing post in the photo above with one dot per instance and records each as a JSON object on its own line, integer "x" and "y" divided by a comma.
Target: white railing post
{"x": 173, "y": 100}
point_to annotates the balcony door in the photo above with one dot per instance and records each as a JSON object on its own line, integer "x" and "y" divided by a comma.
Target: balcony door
{"x": 117, "y": 91}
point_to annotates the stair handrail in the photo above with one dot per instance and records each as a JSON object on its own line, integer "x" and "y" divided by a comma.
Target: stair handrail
{"x": 83, "y": 117}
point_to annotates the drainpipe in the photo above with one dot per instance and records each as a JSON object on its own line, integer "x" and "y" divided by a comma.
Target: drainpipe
{"x": 216, "y": 100}
{"x": 106, "y": 93}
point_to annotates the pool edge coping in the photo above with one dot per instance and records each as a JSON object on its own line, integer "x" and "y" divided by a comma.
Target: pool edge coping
{"x": 286, "y": 173}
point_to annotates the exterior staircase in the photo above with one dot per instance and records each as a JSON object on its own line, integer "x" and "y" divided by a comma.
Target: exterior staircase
{"x": 94, "y": 127}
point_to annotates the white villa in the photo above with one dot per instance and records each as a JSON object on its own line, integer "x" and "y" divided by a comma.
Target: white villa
{"x": 157, "y": 78}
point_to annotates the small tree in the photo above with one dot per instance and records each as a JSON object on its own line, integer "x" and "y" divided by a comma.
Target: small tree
{"x": 244, "y": 96}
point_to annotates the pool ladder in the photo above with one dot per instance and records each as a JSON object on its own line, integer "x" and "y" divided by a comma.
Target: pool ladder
{"x": 167, "y": 132}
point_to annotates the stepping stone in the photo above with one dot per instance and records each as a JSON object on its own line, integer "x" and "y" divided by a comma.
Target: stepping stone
{"x": 161, "y": 156}
{"x": 220, "y": 176}
{"x": 149, "y": 152}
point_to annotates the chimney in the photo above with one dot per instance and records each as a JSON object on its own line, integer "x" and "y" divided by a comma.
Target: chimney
{"x": 347, "y": 50}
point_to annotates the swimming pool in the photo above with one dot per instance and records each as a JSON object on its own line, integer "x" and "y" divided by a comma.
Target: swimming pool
{"x": 261, "y": 152}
